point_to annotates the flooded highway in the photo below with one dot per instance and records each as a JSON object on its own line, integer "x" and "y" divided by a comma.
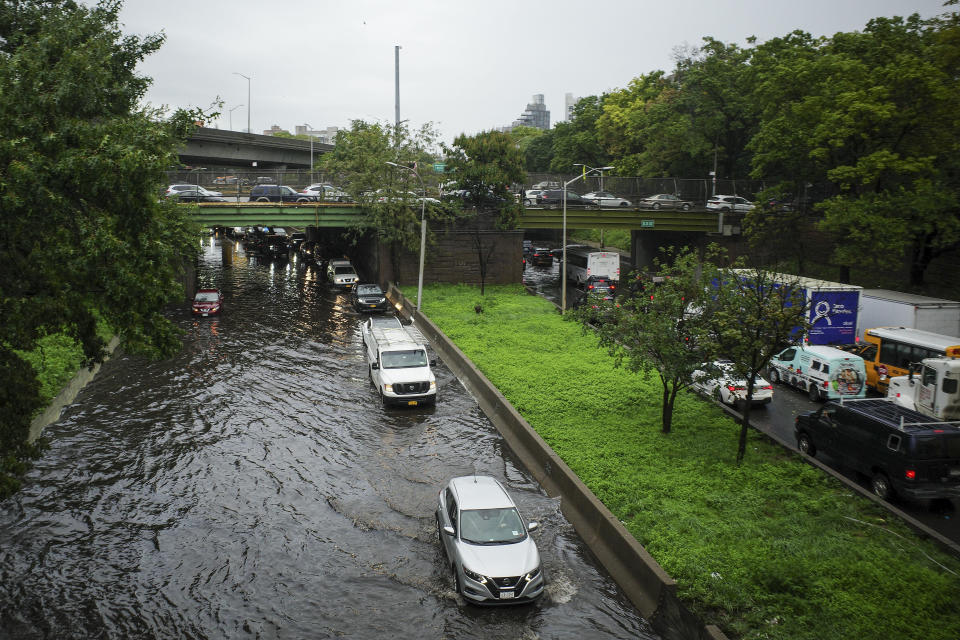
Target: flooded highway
{"x": 253, "y": 486}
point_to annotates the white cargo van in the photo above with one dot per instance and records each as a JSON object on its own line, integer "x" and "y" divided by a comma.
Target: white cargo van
{"x": 825, "y": 373}
{"x": 399, "y": 365}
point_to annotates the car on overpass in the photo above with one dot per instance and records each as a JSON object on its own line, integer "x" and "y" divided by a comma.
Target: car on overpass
{"x": 665, "y": 201}
{"x": 278, "y": 193}
{"x": 174, "y": 188}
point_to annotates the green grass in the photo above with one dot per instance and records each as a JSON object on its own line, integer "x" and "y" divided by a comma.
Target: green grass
{"x": 56, "y": 359}
{"x": 612, "y": 238}
{"x": 773, "y": 548}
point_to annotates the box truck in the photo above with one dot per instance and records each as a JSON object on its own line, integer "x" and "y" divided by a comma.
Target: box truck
{"x": 885, "y": 308}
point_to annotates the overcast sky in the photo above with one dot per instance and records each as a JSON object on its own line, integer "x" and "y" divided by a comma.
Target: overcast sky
{"x": 465, "y": 66}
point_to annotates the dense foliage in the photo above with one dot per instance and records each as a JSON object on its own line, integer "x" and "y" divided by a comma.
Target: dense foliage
{"x": 855, "y": 134}
{"x": 82, "y": 231}
{"x": 772, "y": 548}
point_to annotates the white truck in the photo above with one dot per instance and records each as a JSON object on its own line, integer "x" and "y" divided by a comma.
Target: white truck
{"x": 398, "y": 364}
{"x": 885, "y": 308}
{"x": 932, "y": 390}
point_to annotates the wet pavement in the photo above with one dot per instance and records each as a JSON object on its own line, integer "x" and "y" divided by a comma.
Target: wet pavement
{"x": 253, "y": 486}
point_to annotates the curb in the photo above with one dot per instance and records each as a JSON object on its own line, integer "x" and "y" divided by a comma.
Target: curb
{"x": 68, "y": 394}
{"x": 642, "y": 579}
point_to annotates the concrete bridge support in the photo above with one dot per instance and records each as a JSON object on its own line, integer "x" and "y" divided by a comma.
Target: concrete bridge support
{"x": 646, "y": 245}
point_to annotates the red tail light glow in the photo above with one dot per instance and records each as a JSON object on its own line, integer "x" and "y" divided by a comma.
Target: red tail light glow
{"x": 910, "y": 474}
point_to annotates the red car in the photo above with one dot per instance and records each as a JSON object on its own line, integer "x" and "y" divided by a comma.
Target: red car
{"x": 207, "y": 302}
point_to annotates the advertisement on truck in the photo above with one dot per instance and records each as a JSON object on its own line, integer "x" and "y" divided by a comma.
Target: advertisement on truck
{"x": 833, "y": 316}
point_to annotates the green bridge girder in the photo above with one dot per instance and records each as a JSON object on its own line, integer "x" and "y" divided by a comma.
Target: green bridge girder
{"x": 249, "y": 214}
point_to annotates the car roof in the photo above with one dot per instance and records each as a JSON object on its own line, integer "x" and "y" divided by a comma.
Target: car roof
{"x": 480, "y": 492}
{"x": 339, "y": 262}
{"x": 208, "y": 290}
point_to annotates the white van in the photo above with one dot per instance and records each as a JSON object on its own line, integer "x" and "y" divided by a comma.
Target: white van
{"x": 825, "y": 373}
{"x": 398, "y": 364}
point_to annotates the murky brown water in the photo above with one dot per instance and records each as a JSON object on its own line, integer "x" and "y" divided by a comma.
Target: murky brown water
{"x": 253, "y": 487}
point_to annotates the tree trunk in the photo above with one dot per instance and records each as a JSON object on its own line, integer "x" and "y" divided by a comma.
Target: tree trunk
{"x": 666, "y": 410}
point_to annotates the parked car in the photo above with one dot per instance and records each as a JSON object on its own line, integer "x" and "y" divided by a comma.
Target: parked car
{"x": 901, "y": 450}
{"x": 191, "y": 187}
{"x": 729, "y": 203}
{"x": 553, "y": 199}
{"x": 606, "y": 199}
{"x": 666, "y": 201}
{"x": 342, "y": 274}
{"x": 326, "y": 193}
{"x": 194, "y": 194}
{"x": 274, "y": 193}
{"x": 530, "y": 196}
{"x": 369, "y": 297}
{"x": 720, "y": 381}
{"x": 541, "y": 257}
{"x": 207, "y": 302}
{"x": 492, "y": 556}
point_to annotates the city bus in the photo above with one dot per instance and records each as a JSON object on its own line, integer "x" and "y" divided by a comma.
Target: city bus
{"x": 889, "y": 351}
{"x": 583, "y": 262}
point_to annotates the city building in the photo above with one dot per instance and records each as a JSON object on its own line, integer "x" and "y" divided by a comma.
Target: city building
{"x": 274, "y": 130}
{"x": 322, "y": 135}
{"x": 535, "y": 115}
{"x": 569, "y": 102}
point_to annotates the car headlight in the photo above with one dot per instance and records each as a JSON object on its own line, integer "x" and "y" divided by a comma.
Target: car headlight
{"x": 433, "y": 384}
{"x": 475, "y": 576}
{"x": 388, "y": 388}
{"x": 532, "y": 575}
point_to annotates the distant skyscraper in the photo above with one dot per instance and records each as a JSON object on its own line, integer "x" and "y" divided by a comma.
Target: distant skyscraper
{"x": 535, "y": 115}
{"x": 569, "y": 102}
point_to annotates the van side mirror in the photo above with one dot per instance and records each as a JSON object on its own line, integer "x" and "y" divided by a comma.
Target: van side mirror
{"x": 449, "y": 530}
{"x": 533, "y": 526}
{"x": 433, "y": 363}
{"x": 375, "y": 365}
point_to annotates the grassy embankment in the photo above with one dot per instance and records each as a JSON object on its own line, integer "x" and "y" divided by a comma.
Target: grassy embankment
{"x": 773, "y": 548}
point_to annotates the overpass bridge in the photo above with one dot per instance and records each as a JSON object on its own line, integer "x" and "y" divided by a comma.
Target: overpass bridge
{"x": 222, "y": 148}
{"x": 249, "y": 214}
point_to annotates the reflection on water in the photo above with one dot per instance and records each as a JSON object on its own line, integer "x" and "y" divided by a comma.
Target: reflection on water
{"x": 253, "y": 486}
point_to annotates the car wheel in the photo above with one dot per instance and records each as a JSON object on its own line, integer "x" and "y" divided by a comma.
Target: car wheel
{"x": 880, "y": 485}
{"x": 725, "y": 209}
{"x": 814, "y": 393}
{"x": 805, "y": 445}
{"x": 686, "y": 207}
{"x": 302, "y": 200}
{"x": 774, "y": 376}
{"x": 656, "y": 205}
{"x": 261, "y": 199}
{"x": 623, "y": 204}
{"x": 456, "y": 581}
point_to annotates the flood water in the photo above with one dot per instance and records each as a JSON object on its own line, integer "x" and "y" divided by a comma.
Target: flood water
{"x": 253, "y": 487}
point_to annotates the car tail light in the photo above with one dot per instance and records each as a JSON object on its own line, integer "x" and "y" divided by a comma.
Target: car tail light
{"x": 590, "y": 286}
{"x": 826, "y": 383}
{"x": 767, "y": 388}
{"x": 910, "y": 474}
{"x": 612, "y": 287}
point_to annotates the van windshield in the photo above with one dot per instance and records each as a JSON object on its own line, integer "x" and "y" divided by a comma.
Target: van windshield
{"x": 941, "y": 446}
{"x": 403, "y": 359}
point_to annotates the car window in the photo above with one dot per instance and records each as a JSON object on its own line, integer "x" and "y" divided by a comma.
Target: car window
{"x": 491, "y": 526}
{"x": 207, "y": 297}
{"x": 451, "y": 508}
{"x": 789, "y": 354}
{"x": 342, "y": 270}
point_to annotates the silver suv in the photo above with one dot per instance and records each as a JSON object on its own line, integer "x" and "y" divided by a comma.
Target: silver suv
{"x": 492, "y": 556}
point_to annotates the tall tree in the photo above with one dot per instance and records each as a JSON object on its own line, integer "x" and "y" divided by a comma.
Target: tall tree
{"x": 82, "y": 232}
{"x": 656, "y": 331}
{"x": 576, "y": 141}
{"x": 486, "y": 165}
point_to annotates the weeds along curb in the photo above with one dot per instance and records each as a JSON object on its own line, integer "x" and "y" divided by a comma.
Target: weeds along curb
{"x": 642, "y": 579}
{"x": 68, "y": 394}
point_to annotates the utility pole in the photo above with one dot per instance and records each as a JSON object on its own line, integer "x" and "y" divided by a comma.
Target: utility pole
{"x": 396, "y": 56}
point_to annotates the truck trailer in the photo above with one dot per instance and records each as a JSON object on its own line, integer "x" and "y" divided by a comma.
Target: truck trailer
{"x": 886, "y": 308}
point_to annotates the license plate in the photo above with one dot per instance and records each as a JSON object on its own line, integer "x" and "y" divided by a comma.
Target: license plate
{"x": 412, "y": 403}
{"x": 372, "y": 306}
{"x": 205, "y": 315}
{"x": 506, "y": 595}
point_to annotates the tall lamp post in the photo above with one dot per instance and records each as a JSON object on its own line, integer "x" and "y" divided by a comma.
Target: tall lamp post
{"x": 423, "y": 226}
{"x": 231, "y": 115}
{"x": 563, "y": 275}
{"x": 309, "y": 129}
{"x": 237, "y": 73}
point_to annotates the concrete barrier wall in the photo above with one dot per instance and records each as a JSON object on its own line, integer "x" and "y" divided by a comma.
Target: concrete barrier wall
{"x": 643, "y": 580}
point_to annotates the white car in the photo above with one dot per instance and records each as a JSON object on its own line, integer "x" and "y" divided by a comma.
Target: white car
{"x": 326, "y": 192}
{"x": 606, "y": 199}
{"x": 192, "y": 187}
{"x": 720, "y": 381}
{"x": 342, "y": 274}
{"x": 729, "y": 203}
{"x": 491, "y": 554}
{"x": 530, "y": 196}
{"x": 665, "y": 201}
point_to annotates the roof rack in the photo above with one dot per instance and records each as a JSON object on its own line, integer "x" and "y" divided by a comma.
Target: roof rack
{"x": 895, "y": 414}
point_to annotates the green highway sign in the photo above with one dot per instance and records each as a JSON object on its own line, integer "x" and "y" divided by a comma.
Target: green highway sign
{"x": 646, "y": 224}
{"x": 439, "y": 167}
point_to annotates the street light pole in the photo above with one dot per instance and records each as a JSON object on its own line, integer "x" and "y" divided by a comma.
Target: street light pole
{"x": 248, "y": 98}
{"x": 231, "y": 115}
{"x": 563, "y": 274}
{"x": 309, "y": 128}
{"x": 423, "y": 226}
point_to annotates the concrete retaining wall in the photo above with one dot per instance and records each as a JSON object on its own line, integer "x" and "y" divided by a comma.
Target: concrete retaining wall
{"x": 68, "y": 394}
{"x": 648, "y": 586}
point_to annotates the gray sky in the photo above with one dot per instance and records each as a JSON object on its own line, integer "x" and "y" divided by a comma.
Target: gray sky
{"x": 465, "y": 66}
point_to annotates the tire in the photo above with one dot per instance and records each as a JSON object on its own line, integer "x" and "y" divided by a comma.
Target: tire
{"x": 456, "y": 581}
{"x": 805, "y": 445}
{"x": 262, "y": 199}
{"x": 774, "y": 376}
{"x": 656, "y": 206}
{"x": 814, "y": 393}
{"x": 686, "y": 207}
{"x": 880, "y": 486}
{"x": 623, "y": 204}
{"x": 725, "y": 209}
{"x": 527, "y": 203}
{"x": 302, "y": 200}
